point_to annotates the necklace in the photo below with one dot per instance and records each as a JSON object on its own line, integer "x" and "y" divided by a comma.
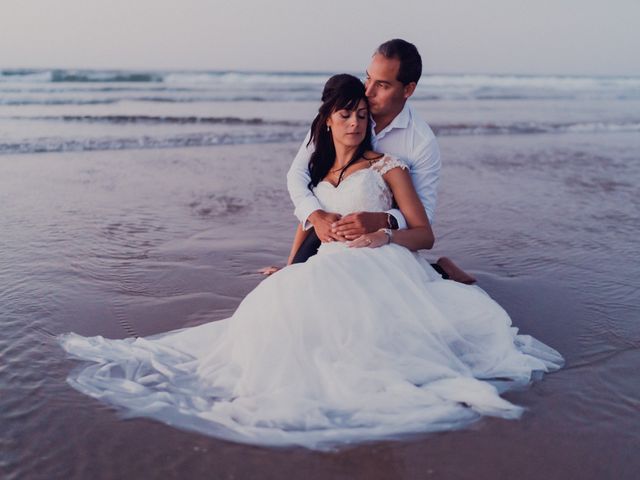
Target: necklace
{"x": 338, "y": 169}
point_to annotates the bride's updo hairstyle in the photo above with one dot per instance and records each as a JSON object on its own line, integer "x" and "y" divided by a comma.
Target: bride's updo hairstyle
{"x": 341, "y": 91}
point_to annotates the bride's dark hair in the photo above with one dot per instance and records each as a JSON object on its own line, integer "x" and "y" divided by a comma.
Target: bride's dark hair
{"x": 341, "y": 91}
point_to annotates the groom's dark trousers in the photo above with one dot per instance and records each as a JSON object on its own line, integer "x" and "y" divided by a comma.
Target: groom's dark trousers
{"x": 308, "y": 249}
{"x": 311, "y": 244}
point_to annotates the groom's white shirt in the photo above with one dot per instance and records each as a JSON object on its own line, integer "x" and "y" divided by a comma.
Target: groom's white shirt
{"x": 407, "y": 137}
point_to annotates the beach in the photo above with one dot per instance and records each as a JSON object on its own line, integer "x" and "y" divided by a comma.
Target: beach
{"x": 135, "y": 205}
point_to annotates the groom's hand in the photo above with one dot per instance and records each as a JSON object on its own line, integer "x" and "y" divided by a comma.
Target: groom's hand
{"x": 322, "y": 222}
{"x": 356, "y": 224}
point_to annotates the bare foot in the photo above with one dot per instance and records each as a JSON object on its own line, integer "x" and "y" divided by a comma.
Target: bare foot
{"x": 455, "y": 273}
{"x": 268, "y": 270}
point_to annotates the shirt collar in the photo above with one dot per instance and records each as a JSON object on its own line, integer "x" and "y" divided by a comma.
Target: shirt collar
{"x": 400, "y": 121}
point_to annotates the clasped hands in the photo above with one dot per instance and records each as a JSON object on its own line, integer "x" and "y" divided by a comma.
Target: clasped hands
{"x": 359, "y": 229}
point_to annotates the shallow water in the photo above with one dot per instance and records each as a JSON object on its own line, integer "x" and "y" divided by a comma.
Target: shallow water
{"x": 139, "y": 242}
{"x": 128, "y": 231}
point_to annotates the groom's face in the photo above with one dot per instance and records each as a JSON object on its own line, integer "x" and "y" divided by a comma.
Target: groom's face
{"x": 386, "y": 94}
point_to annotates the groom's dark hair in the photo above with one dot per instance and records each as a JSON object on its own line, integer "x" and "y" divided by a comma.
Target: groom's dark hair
{"x": 410, "y": 60}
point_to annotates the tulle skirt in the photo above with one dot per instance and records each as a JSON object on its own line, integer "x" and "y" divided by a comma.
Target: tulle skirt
{"x": 354, "y": 344}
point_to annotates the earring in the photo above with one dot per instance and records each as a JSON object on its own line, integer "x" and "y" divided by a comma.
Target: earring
{"x": 328, "y": 128}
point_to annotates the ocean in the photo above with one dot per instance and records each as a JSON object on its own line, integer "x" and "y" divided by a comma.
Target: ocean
{"x": 133, "y": 203}
{"x": 63, "y": 110}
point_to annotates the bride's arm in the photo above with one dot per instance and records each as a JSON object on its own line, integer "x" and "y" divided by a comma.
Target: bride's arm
{"x": 418, "y": 234}
{"x": 298, "y": 238}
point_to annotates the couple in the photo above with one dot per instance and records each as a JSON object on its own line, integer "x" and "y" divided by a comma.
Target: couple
{"x": 392, "y": 76}
{"x": 362, "y": 341}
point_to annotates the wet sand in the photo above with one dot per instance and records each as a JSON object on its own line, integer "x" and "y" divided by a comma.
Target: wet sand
{"x": 141, "y": 242}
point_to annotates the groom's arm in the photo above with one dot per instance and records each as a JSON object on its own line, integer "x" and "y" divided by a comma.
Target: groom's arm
{"x": 425, "y": 174}
{"x": 298, "y": 178}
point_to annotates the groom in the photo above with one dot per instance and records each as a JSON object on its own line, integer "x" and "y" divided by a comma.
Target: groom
{"x": 392, "y": 76}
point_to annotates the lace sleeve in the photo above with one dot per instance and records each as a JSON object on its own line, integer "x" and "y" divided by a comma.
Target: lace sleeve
{"x": 387, "y": 163}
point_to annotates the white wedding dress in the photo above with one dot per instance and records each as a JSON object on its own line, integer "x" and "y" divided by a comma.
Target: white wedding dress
{"x": 355, "y": 344}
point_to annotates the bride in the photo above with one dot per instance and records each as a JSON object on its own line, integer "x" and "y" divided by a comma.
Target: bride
{"x": 363, "y": 341}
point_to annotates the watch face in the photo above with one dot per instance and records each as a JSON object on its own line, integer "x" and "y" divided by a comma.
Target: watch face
{"x": 393, "y": 223}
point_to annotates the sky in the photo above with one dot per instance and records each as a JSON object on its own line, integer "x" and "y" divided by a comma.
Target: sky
{"x": 565, "y": 37}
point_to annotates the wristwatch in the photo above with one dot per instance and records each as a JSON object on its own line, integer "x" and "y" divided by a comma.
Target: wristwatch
{"x": 392, "y": 223}
{"x": 388, "y": 232}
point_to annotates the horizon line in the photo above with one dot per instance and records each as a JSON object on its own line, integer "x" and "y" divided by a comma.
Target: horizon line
{"x": 302, "y": 72}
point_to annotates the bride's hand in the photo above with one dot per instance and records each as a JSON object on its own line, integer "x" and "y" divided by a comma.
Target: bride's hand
{"x": 371, "y": 240}
{"x": 270, "y": 270}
